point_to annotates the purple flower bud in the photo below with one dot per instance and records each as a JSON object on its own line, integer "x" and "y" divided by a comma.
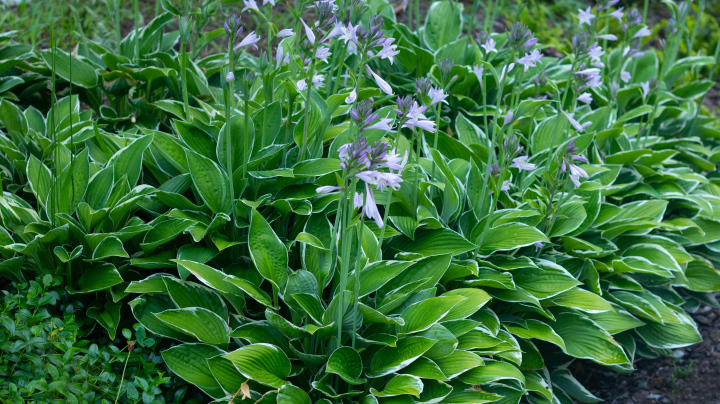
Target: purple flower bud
{"x": 230, "y": 77}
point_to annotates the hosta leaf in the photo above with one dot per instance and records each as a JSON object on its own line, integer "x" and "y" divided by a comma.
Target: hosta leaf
{"x": 109, "y": 247}
{"x": 391, "y": 359}
{"x": 582, "y": 300}
{"x": 199, "y": 322}
{"x": 267, "y": 251}
{"x": 475, "y": 300}
{"x": 615, "y": 321}
{"x": 346, "y": 363}
{"x": 399, "y": 385}
{"x": 264, "y": 363}
{"x": 289, "y": 394}
{"x": 492, "y": 371}
{"x": 458, "y": 362}
{"x": 189, "y": 361}
{"x": 430, "y": 242}
{"x": 422, "y": 315}
{"x": 189, "y": 294}
{"x": 564, "y": 380}
{"x": 99, "y": 277}
{"x": 510, "y": 236}
{"x": 670, "y": 335}
{"x": 585, "y": 339}
{"x": 426, "y": 369}
{"x": 211, "y": 182}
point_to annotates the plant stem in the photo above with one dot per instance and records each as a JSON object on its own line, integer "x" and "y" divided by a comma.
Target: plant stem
{"x": 183, "y": 64}
{"x": 385, "y": 219}
{"x": 229, "y": 106}
{"x": 358, "y": 259}
{"x": 345, "y": 258}
{"x": 137, "y": 31}
{"x": 118, "y": 36}
{"x": 291, "y": 102}
{"x": 437, "y": 135}
{"x": 309, "y": 82}
{"x": 247, "y": 149}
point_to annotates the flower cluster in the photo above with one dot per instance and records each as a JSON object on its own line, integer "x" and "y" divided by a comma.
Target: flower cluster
{"x": 365, "y": 163}
{"x": 567, "y": 163}
{"x": 233, "y": 29}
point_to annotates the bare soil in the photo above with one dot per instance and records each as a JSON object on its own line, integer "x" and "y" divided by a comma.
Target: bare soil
{"x": 692, "y": 378}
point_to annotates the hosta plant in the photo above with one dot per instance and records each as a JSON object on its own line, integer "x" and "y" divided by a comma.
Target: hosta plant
{"x": 354, "y": 211}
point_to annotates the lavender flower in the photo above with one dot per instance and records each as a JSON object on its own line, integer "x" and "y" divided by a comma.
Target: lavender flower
{"x": 352, "y": 97}
{"x": 478, "y": 73}
{"x": 422, "y": 87}
{"x": 323, "y": 53}
{"x": 575, "y": 172}
{"x": 349, "y": 33}
{"x": 642, "y": 33}
{"x": 370, "y": 209}
{"x": 417, "y": 118}
{"x": 585, "y": 98}
{"x": 358, "y": 200}
{"x": 250, "y": 40}
{"x": 505, "y": 185}
{"x": 388, "y": 50}
{"x": 250, "y": 5}
{"x": 618, "y": 14}
{"x": 326, "y": 189}
{"x": 521, "y": 164}
{"x": 230, "y": 77}
{"x": 384, "y": 86}
{"x": 607, "y": 37}
{"x": 285, "y": 33}
{"x": 625, "y": 76}
{"x": 436, "y": 95}
{"x": 585, "y": 17}
{"x": 529, "y": 60}
{"x": 308, "y": 32}
{"x": 575, "y": 124}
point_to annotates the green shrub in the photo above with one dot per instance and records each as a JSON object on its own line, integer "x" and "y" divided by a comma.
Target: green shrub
{"x": 45, "y": 361}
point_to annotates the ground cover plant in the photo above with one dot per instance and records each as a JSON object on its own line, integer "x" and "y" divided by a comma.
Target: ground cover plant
{"x": 351, "y": 207}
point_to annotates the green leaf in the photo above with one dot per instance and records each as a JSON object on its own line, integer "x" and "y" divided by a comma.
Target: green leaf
{"x": 475, "y": 299}
{"x": 267, "y": 251}
{"x": 346, "y": 363}
{"x": 492, "y": 371}
{"x": 264, "y": 363}
{"x": 582, "y": 300}
{"x": 128, "y": 160}
{"x": 109, "y": 247}
{"x": 83, "y": 74}
{"x": 289, "y": 394}
{"x": 400, "y": 384}
{"x": 585, "y": 339}
{"x": 391, "y": 359}
{"x": 199, "y": 322}
{"x": 190, "y": 362}
{"x": 109, "y": 318}
{"x": 98, "y": 277}
{"x": 422, "y": 315}
{"x": 211, "y": 182}
{"x": 430, "y": 242}
{"x": 458, "y": 363}
{"x": 443, "y": 23}
{"x": 510, "y": 236}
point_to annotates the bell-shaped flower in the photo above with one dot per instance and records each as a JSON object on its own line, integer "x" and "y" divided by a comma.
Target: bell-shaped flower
{"x": 384, "y": 86}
